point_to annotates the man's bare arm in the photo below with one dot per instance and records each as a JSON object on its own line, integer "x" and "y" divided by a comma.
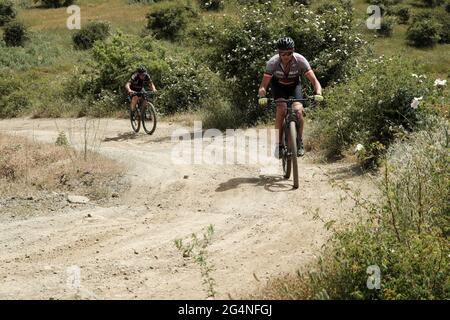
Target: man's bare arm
{"x": 264, "y": 84}
{"x": 313, "y": 79}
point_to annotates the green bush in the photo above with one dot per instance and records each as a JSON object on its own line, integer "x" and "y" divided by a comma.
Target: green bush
{"x": 182, "y": 83}
{"x": 91, "y": 32}
{"x": 447, "y": 6}
{"x": 187, "y": 84}
{"x": 403, "y": 14}
{"x": 443, "y": 18}
{"x": 328, "y": 40}
{"x": 405, "y": 233}
{"x": 432, "y": 3}
{"x": 211, "y": 4}
{"x": 12, "y": 98}
{"x": 56, "y": 3}
{"x": 387, "y": 26}
{"x": 304, "y": 2}
{"x": 386, "y": 6}
{"x": 371, "y": 109}
{"x": 15, "y": 34}
{"x": 423, "y": 33}
{"x": 7, "y": 11}
{"x": 116, "y": 59}
{"x": 168, "y": 19}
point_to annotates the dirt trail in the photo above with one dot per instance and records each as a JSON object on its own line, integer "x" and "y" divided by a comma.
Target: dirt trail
{"x": 126, "y": 251}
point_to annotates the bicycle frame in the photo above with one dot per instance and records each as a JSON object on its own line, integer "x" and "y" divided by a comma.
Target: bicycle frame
{"x": 290, "y": 113}
{"x": 289, "y": 150}
{"x": 143, "y": 106}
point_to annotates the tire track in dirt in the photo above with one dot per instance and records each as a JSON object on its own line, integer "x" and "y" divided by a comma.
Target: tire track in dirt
{"x": 262, "y": 227}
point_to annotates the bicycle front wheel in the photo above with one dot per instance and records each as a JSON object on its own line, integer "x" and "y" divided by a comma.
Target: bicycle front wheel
{"x": 135, "y": 120}
{"x": 293, "y": 152}
{"x": 285, "y": 158}
{"x": 149, "y": 119}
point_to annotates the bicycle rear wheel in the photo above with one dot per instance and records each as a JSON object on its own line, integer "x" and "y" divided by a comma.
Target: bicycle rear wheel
{"x": 149, "y": 119}
{"x": 293, "y": 152}
{"x": 135, "y": 119}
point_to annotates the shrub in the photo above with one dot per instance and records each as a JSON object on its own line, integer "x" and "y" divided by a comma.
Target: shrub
{"x": 91, "y": 32}
{"x": 169, "y": 19}
{"x": 12, "y": 101}
{"x": 116, "y": 59}
{"x": 447, "y": 6}
{"x": 328, "y": 40}
{"x": 405, "y": 233}
{"x": 432, "y": 3}
{"x": 423, "y": 33}
{"x": 387, "y": 26}
{"x": 304, "y": 2}
{"x": 15, "y": 34}
{"x": 443, "y": 18}
{"x": 183, "y": 84}
{"x": 7, "y": 11}
{"x": 186, "y": 85}
{"x": 371, "y": 109}
{"x": 56, "y": 3}
{"x": 211, "y": 4}
{"x": 403, "y": 14}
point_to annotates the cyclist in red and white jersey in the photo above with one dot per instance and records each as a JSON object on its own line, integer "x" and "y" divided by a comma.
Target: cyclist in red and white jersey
{"x": 283, "y": 72}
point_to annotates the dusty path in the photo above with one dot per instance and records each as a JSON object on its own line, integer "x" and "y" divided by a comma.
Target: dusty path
{"x": 262, "y": 226}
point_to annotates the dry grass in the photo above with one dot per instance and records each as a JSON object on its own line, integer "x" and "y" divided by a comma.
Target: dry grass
{"x": 27, "y": 167}
{"x": 286, "y": 287}
{"x": 118, "y": 12}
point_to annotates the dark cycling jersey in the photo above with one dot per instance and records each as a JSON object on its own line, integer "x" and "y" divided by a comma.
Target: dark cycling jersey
{"x": 136, "y": 83}
{"x": 291, "y": 76}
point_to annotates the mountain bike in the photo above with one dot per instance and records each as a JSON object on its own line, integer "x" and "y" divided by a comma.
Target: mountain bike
{"x": 289, "y": 140}
{"x": 143, "y": 114}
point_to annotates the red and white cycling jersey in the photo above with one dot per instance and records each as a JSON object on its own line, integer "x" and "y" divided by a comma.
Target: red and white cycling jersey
{"x": 290, "y": 76}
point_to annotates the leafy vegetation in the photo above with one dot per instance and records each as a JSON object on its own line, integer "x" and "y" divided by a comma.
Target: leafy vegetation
{"x": 91, "y": 32}
{"x": 405, "y": 235}
{"x": 15, "y": 34}
{"x": 7, "y": 11}
{"x": 387, "y": 111}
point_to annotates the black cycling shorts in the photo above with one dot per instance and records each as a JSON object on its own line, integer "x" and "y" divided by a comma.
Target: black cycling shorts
{"x": 286, "y": 92}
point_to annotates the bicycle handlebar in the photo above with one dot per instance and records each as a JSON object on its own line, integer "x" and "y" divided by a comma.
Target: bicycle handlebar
{"x": 309, "y": 98}
{"x": 271, "y": 101}
{"x": 143, "y": 93}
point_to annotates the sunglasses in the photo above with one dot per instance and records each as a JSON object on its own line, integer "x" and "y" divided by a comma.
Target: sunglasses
{"x": 286, "y": 54}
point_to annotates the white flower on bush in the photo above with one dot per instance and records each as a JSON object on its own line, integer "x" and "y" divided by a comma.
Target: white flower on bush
{"x": 415, "y": 102}
{"x": 440, "y": 83}
{"x": 359, "y": 147}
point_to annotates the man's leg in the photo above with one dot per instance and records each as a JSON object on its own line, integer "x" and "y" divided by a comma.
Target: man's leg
{"x": 134, "y": 101}
{"x": 281, "y": 111}
{"x": 298, "y": 107}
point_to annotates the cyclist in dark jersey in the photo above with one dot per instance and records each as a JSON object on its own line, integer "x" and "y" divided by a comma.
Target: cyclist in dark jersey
{"x": 283, "y": 72}
{"x": 137, "y": 82}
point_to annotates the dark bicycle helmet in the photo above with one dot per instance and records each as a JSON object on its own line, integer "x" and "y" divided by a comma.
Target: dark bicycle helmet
{"x": 141, "y": 69}
{"x": 285, "y": 43}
